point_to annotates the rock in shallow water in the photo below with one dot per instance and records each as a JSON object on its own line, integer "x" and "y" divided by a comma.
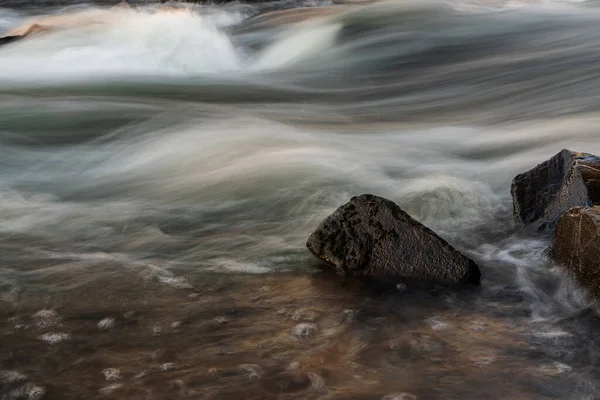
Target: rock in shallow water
{"x": 542, "y": 194}
{"x": 372, "y": 237}
{"x": 577, "y": 246}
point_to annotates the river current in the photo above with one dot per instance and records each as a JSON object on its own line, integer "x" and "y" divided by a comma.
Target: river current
{"x": 191, "y": 143}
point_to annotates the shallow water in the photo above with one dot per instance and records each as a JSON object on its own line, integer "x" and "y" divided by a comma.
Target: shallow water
{"x": 180, "y": 147}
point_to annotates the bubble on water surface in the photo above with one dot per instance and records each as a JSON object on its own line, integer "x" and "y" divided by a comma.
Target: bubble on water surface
{"x": 253, "y": 371}
{"x": 55, "y": 337}
{"x": 305, "y": 331}
{"x": 111, "y": 374}
{"x": 106, "y": 324}
{"x": 47, "y": 318}
{"x": 164, "y": 367}
{"x": 436, "y": 323}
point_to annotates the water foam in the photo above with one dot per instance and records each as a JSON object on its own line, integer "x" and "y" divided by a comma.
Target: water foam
{"x": 117, "y": 42}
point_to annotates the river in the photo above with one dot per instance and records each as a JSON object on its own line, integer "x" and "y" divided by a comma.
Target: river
{"x": 172, "y": 161}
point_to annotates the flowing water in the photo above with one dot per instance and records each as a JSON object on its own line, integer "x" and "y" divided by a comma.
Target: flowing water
{"x": 198, "y": 147}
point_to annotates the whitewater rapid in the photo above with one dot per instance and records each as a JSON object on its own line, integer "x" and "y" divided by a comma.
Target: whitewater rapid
{"x": 200, "y": 139}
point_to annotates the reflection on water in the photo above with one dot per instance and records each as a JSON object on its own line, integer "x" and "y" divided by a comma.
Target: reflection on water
{"x": 161, "y": 173}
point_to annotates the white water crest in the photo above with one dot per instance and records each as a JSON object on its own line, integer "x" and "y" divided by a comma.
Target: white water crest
{"x": 120, "y": 42}
{"x": 302, "y": 44}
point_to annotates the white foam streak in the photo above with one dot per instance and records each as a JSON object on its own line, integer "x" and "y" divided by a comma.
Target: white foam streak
{"x": 300, "y": 45}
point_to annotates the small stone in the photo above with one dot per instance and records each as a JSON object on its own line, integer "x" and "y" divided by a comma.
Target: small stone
{"x": 304, "y": 331}
{"x": 55, "y": 337}
{"x": 111, "y": 374}
{"x": 106, "y": 324}
{"x": 47, "y": 318}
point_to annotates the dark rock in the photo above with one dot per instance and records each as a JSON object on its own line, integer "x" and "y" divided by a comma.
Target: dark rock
{"x": 9, "y": 39}
{"x": 577, "y": 246}
{"x": 543, "y": 194}
{"x": 372, "y": 237}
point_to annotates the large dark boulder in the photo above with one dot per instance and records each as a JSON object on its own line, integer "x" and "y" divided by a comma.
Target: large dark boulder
{"x": 577, "y": 246}
{"x": 372, "y": 237}
{"x": 543, "y": 194}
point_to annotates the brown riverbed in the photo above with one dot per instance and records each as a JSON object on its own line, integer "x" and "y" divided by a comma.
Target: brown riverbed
{"x": 232, "y": 337}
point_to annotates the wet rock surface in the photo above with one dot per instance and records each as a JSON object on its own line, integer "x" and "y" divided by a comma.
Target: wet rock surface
{"x": 542, "y": 194}
{"x": 577, "y": 246}
{"x": 373, "y": 237}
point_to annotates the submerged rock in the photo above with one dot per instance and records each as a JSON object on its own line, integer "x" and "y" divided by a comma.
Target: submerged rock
{"x": 542, "y": 194}
{"x": 577, "y": 246}
{"x": 372, "y": 237}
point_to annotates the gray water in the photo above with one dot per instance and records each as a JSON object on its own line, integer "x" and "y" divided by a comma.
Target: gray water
{"x": 206, "y": 141}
